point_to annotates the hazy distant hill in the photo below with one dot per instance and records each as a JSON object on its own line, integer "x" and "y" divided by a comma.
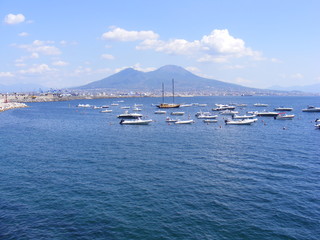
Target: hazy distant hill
{"x": 131, "y": 79}
{"x": 314, "y": 88}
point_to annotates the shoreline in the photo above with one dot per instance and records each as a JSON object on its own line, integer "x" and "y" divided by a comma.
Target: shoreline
{"x": 11, "y": 105}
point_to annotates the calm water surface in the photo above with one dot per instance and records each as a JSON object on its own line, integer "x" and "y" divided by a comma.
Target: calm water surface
{"x": 75, "y": 173}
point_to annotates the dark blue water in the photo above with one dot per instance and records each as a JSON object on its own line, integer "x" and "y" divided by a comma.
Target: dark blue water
{"x": 75, "y": 173}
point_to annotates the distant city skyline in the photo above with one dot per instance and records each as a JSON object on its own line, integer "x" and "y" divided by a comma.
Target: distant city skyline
{"x": 256, "y": 44}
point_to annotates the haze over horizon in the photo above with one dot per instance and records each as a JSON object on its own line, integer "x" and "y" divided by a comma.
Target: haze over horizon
{"x": 71, "y": 43}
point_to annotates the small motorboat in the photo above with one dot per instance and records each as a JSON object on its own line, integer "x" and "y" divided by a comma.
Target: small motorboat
{"x": 267, "y": 114}
{"x": 260, "y": 105}
{"x": 311, "y": 109}
{"x": 169, "y": 120}
{"x": 243, "y": 116}
{"x": 228, "y": 112}
{"x": 184, "y": 121}
{"x": 317, "y": 126}
{"x": 137, "y": 121}
{"x": 283, "y": 109}
{"x": 283, "y": 116}
{"x": 240, "y": 122}
{"x": 160, "y": 112}
{"x": 210, "y": 120}
{"x": 177, "y": 113}
{"x": 106, "y": 111}
{"x": 126, "y": 114}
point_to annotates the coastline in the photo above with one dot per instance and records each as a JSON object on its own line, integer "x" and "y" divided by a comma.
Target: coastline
{"x": 11, "y": 105}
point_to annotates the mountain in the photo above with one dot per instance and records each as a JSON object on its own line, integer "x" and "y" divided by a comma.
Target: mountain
{"x": 130, "y": 79}
{"x": 314, "y": 88}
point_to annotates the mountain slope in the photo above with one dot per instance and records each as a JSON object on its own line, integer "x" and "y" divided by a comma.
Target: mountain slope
{"x": 130, "y": 79}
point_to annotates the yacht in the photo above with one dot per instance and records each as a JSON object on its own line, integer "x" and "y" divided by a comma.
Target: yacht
{"x": 168, "y": 105}
{"x": 106, "y": 111}
{"x": 160, "y": 112}
{"x": 210, "y": 120}
{"x": 228, "y": 112}
{"x": 169, "y": 120}
{"x": 240, "y": 122}
{"x": 243, "y": 116}
{"x": 267, "y": 114}
{"x": 128, "y": 115}
{"x": 311, "y": 109}
{"x": 177, "y": 113}
{"x": 137, "y": 121}
{"x": 283, "y": 109}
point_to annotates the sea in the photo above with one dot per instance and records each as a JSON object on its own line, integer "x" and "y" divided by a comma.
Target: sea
{"x": 69, "y": 172}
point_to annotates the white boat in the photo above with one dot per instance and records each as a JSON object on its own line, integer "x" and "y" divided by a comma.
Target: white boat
{"x": 260, "y": 105}
{"x": 267, "y": 114}
{"x": 283, "y": 116}
{"x": 129, "y": 115}
{"x": 283, "y": 109}
{"x": 106, "y": 111}
{"x": 177, "y": 113}
{"x": 84, "y": 105}
{"x": 202, "y": 113}
{"x": 186, "y": 105}
{"x": 222, "y": 107}
{"x": 207, "y": 116}
{"x": 311, "y": 109}
{"x": 210, "y": 120}
{"x": 160, "y": 112}
{"x": 317, "y": 126}
{"x": 240, "y": 122}
{"x": 317, "y": 120}
{"x": 114, "y": 104}
{"x": 136, "y": 109}
{"x": 184, "y": 121}
{"x": 243, "y": 116}
{"x": 228, "y": 112}
{"x": 137, "y": 121}
{"x": 169, "y": 120}
{"x": 125, "y": 107}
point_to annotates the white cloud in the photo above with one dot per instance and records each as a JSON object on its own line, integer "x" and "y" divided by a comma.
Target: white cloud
{"x": 6, "y": 74}
{"x": 119, "y": 34}
{"x": 241, "y": 80}
{"x": 37, "y": 69}
{"x": 14, "y": 19}
{"x": 219, "y": 46}
{"x": 23, "y": 34}
{"x": 41, "y": 47}
{"x": 60, "y": 63}
{"x": 107, "y": 56}
{"x": 137, "y": 67}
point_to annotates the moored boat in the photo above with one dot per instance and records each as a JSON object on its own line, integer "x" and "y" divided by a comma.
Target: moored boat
{"x": 260, "y": 105}
{"x": 240, "y": 122}
{"x": 128, "y": 115}
{"x": 283, "y": 109}
{"x": 243, "y": 116}
{"x": 106, "y": 111}
{"x": 184, "y": 121}
{"x": 210, "y": 120}
{"x": 311, "y": 109}
{"x": 137, "y": 121}
{"x": 160, "y": 112}
{"x": 267, "y": 114}
{"x": 177, "y": 113}
{"x": 283, "y": 116}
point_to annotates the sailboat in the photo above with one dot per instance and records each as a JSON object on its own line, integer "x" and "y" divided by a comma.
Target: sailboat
{"x": 168, "y": 105}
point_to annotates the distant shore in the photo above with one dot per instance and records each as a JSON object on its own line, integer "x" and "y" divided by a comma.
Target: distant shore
{"x": 8, "y": 106}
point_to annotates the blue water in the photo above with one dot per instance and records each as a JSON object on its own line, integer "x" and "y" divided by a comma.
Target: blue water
{"x": 75, "y": 173}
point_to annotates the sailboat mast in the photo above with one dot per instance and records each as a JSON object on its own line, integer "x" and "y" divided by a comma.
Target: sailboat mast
{"x": 162, "y": 93}
{"x": 172, "y": 90}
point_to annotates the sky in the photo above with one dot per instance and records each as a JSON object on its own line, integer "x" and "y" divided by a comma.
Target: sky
{"x": 60, "y": 44}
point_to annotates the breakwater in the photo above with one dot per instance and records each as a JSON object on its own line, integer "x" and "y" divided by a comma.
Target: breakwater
{"x": 8, "y": 106}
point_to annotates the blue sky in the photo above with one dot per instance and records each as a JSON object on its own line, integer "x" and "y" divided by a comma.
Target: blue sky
{"x": 70, "y": 43}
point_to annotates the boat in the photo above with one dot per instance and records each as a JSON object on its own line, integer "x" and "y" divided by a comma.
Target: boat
{"x": 137, "y": 121}
{"x": 128, "y": 115}
{"x": 283, "y": 109}
{"x": 311, "y": 109}
{"x": 125, "y": 107}
{"x": 210, "y": 120}
{"x": 136, "y": 109}
{"x": 177, "y": 113}
{"x": 243, "y": 116}
{"x": 317, "y": 126}
{"x": 114, "y": 104}
{"x": 184, "y": 121}
{"x": 222, "y": 107}
{"x": 228, "y": 112}
{"x": 317, "y": 120}
{"x": 240, "y": 122}
{"x": 106, "y": 111}
{"x": 267, "y": 114}
{"x": 186, "y": 105}
{"x": 283, "y": 116}
{"x": 168, "y": 105}
{"x": 160, "y": 112}
{"x": 202, "y": 113}
{"x": 260, "y": 105}
{"x": 206, "y": 116}
{"x": 169, "y": 120}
